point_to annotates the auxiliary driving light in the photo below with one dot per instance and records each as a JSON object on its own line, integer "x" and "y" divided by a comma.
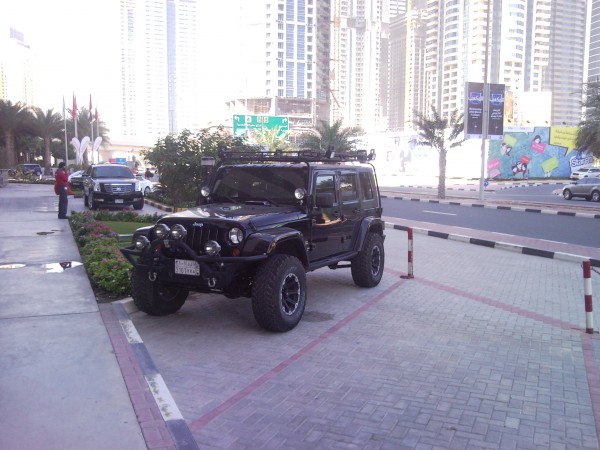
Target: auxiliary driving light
{"x": 178, "y": 231}
{"x": 141, "y": 242}
{"x": 161, "y": 231}
{"x": 212, "y": 248}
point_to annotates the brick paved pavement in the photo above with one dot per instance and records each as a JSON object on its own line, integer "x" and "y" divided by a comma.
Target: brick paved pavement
{"x": 484, "y": 348}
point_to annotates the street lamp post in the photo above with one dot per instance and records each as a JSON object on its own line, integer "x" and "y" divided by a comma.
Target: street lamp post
{"x": 486, "y": 103}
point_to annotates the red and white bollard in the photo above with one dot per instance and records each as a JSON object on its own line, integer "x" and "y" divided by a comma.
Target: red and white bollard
{"x": 410, "y": 255}
{"x": 587, "y": 290}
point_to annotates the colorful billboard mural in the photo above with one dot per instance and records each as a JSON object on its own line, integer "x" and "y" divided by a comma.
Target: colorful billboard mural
{"x": 536, "y": 152}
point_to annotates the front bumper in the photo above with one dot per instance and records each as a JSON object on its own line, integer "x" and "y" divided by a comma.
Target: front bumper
{"x": 216, "y": 272}
{"x": 125, "y": 199}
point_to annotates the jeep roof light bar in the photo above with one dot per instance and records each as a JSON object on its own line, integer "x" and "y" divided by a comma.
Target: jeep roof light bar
{"x": 305, "y": 156}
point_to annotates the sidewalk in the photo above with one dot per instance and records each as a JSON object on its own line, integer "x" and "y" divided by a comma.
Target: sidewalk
{"x": 60, "y": 384}
{"x": 483, "y": 348}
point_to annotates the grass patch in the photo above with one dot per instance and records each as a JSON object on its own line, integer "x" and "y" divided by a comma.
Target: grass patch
{"x": 125, "y": 227}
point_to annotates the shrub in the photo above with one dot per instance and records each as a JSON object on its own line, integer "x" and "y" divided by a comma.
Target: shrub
{"x": 111, "y": 273}
{"x": 94, "y": 230}
{"x": 99, "y": 248}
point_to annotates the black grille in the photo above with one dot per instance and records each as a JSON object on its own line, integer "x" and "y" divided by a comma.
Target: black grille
{"x": 198, "y": 235}
{"x": 118, "y": 188}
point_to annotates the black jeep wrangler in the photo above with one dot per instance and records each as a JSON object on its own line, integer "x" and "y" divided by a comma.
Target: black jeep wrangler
{"x": 263, "y": 222}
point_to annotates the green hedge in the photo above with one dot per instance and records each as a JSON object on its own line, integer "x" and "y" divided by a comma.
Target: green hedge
{"x": 99, "y": 247}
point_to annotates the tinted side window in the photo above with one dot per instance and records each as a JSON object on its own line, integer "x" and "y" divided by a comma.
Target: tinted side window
{"x": 325, "y": 184}
{"x": 366, "y": 186}
{"x": 348, "y": 187}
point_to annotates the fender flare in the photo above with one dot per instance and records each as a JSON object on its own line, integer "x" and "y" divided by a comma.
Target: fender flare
{"x": 369, "y": 224}
{"x": 279, "y": 240}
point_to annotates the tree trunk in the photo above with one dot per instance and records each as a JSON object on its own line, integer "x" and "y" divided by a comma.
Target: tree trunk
{"x": 47, "y": 153}
{"x": 442, "y": 176}
{"x": 9, "y": 147}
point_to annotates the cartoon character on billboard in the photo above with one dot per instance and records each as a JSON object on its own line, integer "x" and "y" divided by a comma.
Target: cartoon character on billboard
{"x": 521, "y": 166}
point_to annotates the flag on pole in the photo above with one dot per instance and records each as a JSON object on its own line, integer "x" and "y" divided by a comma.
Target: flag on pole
{"x": 74, "y": 107}
{"x": 65, "y": 127}
{"x": 75, "y": 114}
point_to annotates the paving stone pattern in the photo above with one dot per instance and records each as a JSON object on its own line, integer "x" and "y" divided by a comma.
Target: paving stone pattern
{"x": 484, "y": 348}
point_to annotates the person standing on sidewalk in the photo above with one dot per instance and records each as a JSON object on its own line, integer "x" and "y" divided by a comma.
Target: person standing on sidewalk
{"x": 62, "y": 189}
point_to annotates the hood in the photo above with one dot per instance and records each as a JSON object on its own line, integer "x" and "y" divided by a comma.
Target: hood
{"x": 239, "y": 213}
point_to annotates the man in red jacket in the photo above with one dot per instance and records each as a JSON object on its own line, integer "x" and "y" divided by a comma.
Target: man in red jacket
{"x": 62, "y": 187}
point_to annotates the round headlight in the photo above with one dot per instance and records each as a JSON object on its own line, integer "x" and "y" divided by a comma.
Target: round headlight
{"x": 178, "y": 231}
{"x": 300, "y": 193}
{"x": 236, "y": 236}
{"x": 205, "y": 191}
{"x": 161, "y": 231}
{"x": 141, "y": 242}
{"x": 212, "y": 248}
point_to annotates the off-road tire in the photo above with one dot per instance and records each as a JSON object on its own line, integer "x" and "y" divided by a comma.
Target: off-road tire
{"x": 279, "y": 293}
{"x": 139, "y": 205}
{"x": 367, "y": 266}
{"x": 567, "y": 194}
{"x": 153, "y": 297}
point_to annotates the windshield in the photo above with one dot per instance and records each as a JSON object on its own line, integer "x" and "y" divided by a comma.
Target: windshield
{"x": 272, "y": 184}
{"x": 112, "y": 172}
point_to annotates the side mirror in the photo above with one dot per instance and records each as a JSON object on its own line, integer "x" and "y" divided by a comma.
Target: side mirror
{"x": 324, "y": 200}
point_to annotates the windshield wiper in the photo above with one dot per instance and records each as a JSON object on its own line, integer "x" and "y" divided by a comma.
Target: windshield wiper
{"x": 219, "y": 198}
{"x": 262, "y": 201}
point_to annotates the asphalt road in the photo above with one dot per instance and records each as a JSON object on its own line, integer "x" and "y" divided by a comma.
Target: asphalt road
{"x": 559, "y": 228}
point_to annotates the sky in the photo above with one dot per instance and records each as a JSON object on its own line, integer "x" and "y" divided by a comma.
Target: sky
{"x": 76, "y": 48}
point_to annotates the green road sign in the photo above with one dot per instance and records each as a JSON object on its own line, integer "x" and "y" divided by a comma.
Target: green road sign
{"x": 242, "y": 123}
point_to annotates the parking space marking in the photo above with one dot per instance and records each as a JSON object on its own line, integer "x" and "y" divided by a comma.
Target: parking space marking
{"x": 199, "y": 423}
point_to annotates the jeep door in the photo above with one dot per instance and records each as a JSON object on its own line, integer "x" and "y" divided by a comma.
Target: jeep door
{"x": 326, "y": 223}
{"x": 351, "y": 208}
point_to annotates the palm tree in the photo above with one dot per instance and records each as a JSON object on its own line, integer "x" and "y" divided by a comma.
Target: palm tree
{"x": 48, "y": 126}
{"x": 441, "y": 134}
{"x": 335, "y": 135}
{"x": 13, "y": 119}
{"x": 588, "y": 134}
{"x": 270, "y": 138}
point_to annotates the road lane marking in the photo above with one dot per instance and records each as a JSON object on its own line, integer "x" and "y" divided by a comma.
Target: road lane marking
{"x": 437, "y": 212}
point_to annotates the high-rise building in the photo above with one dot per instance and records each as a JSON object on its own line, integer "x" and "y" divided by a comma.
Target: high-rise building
{"x": 16, "y": 77}
{"x": 567, "y": 69}
{"x": 398, "y": 7}
{"x": 594, "y": 40}
{"x": 535, "y": 47}
{"x": 358, "y": 34}
{"x": 407, "y": 67}
{"x": 283, "y": 60}
{"x": 159, "y": 67}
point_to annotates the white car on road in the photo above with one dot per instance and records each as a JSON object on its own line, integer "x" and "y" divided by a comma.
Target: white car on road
{"x": 146, "y": 185}
{"x": 585, "y": 172}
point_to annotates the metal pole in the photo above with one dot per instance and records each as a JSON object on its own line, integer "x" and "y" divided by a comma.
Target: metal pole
{"x": 486, "y": 103}
{"x": 410, "y": 256}
{"x": 587, "y": 288}
{"x": 66, "y": 144}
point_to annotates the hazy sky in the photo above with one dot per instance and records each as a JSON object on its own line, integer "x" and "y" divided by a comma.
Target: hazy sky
{"x": 75, "y": 46}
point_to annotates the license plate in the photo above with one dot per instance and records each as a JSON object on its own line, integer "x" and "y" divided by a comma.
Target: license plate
{"x": 120, "y": 200}
{"x": 187, "y": 267}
